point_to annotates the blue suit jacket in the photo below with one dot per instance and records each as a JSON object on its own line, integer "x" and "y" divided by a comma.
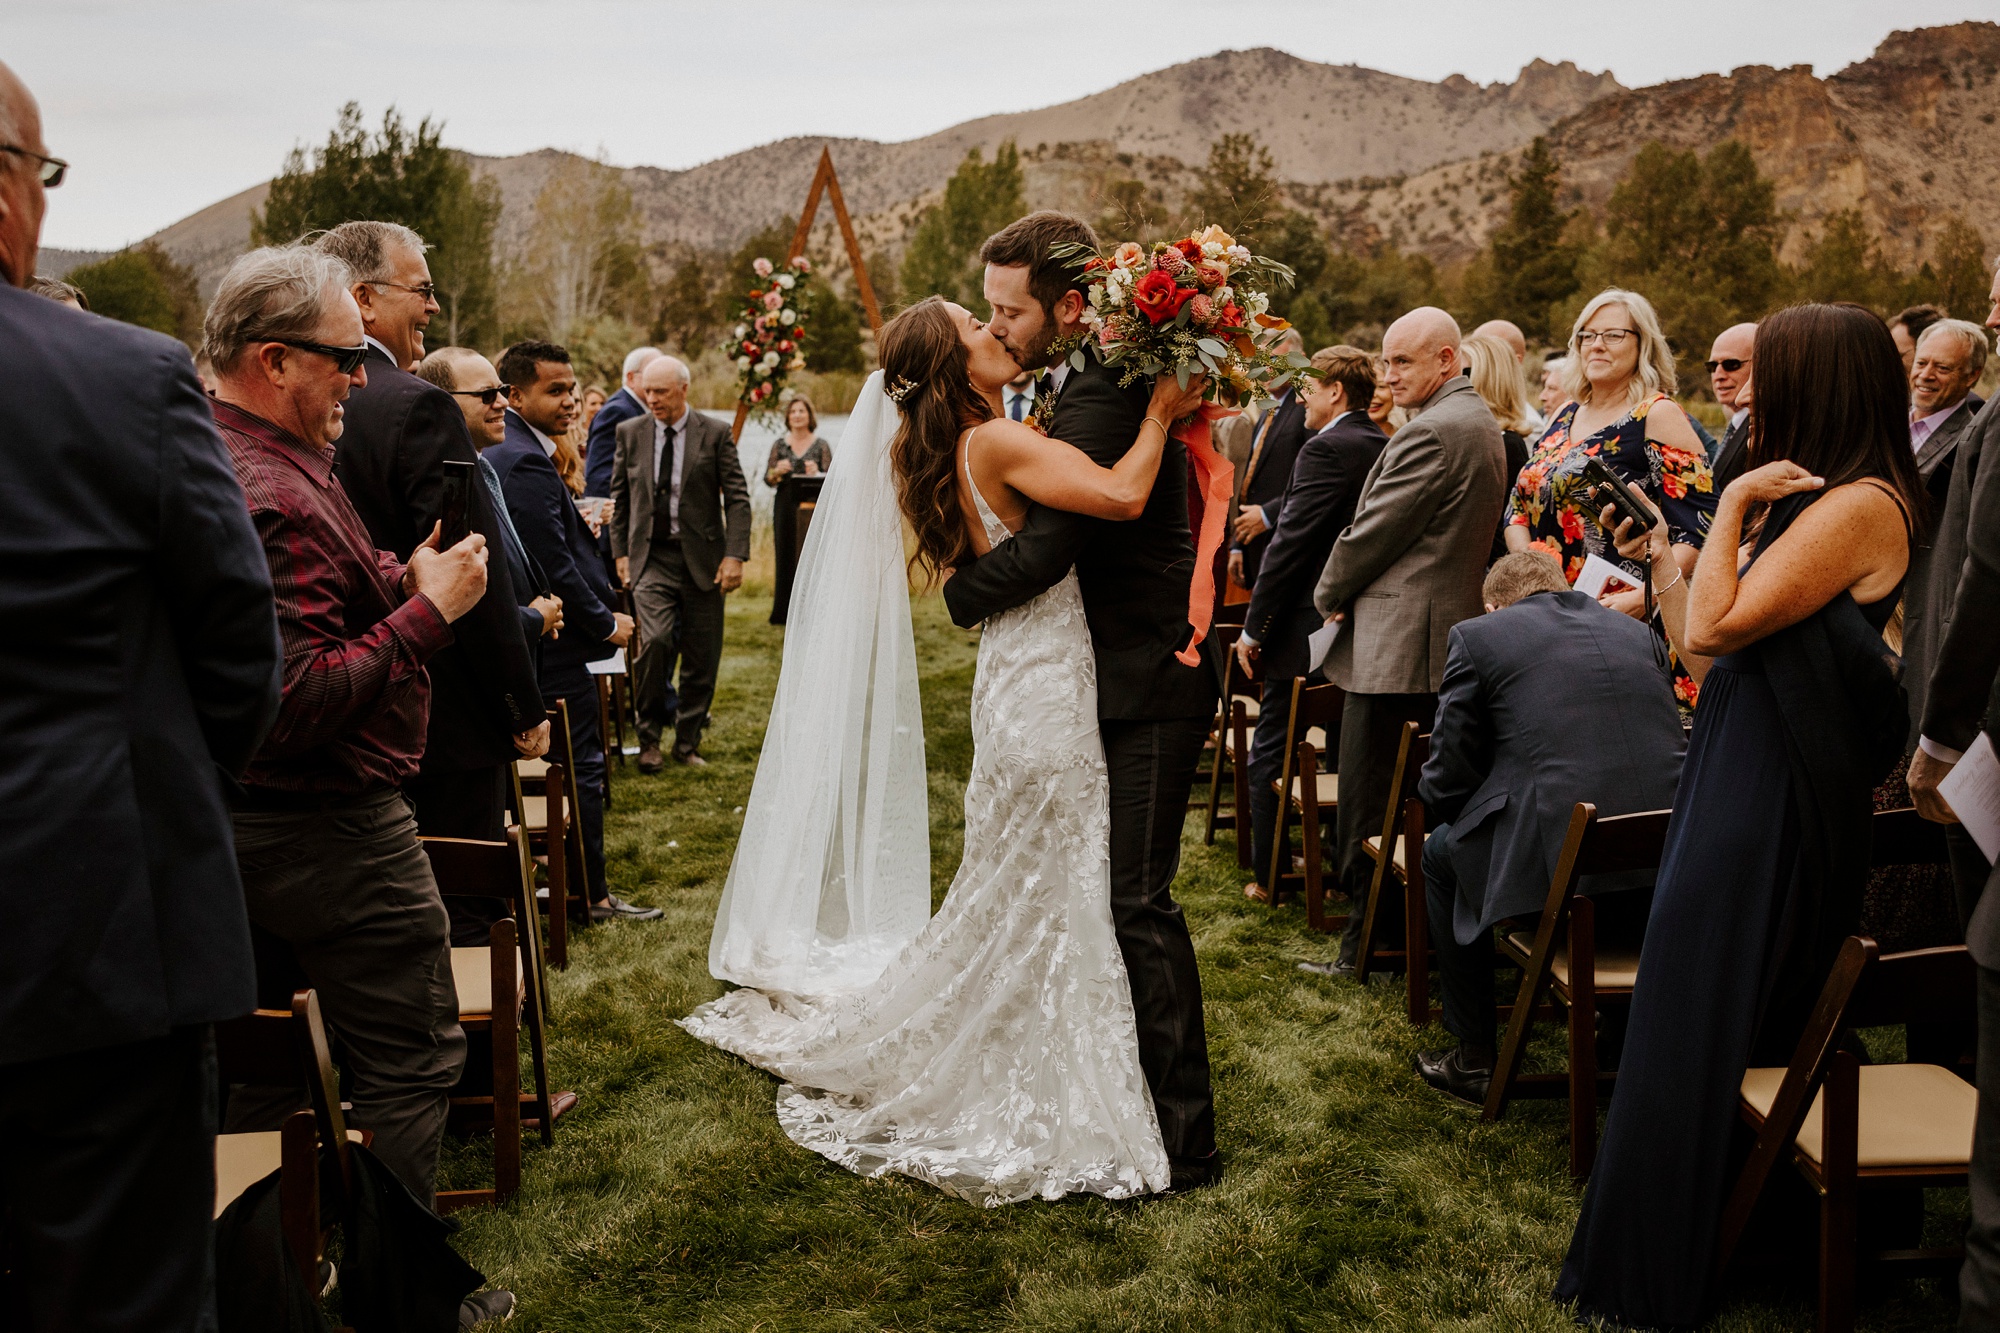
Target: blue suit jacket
{"x": 557, "y": 539}
{"x": 1545, "y": 703}
{"x": 139, "y": 671}
{"x": 602, "y": 451}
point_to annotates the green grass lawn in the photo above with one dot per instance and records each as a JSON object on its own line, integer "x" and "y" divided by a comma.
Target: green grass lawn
{"x": 1355, "y": 1197}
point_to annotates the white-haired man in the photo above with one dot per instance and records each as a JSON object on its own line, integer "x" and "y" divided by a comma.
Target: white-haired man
{"x": 618, "y": 409}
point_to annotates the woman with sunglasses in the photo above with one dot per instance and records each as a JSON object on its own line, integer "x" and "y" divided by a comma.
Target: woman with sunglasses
{"x": 1619, "y": 379}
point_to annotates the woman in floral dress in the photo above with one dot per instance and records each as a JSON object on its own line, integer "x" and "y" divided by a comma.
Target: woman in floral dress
{"x": 1620, "y": 378}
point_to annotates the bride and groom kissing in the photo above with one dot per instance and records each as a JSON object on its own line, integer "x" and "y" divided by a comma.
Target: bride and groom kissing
{"x": 1042, "y": 1033}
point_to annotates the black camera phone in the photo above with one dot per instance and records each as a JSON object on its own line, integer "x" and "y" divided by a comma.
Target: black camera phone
{"x": 457, "y": 508}
{"x": 1608, "y": 488}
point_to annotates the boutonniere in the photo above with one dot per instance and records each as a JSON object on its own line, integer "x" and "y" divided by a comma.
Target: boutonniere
{"x": 1069, "y": 348}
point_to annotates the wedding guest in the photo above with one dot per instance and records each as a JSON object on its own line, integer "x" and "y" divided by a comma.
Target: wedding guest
{"x": 1317, "y": 505}
{"x": 541, "y": 398}
{"x": 1405, "y": 571}
{"x": 1951, "y": 356}
{"x": 141, "y": 669}
{"x": 485, "y": 707}
{"x": 799, "y": 449}
{"x": 1496, "y": 376}
{"x": 1018, "y": 399}
{"x": 1382, "y": 409}
{"x": 62, "y": 293}
{"x": 1280, "y": 432}
{"x": 1745, "y": 923}
{"x": 1552, "y": 396}
{"x": 681, "y": 530}
{"x": 619, "y": 408}
{"x": 1908, "y": 327}
{"x": 1619, "y": 381}
{"x": 594, "y": 398}
{"x": 1516, "y": 342}
{"x": 1522, "y": 735}
{"x": 1728, "y": 368}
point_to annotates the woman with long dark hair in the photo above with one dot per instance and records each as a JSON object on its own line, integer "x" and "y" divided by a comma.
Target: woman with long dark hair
{"x": 995, "y": 1054}
{"x": 1767, "y": 853}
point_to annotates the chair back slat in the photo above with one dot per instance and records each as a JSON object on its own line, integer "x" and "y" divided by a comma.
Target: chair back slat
{"x": 1314, "y": 706}
{"x": 1900, "y": 988}
{"x": 1906, "y": 838}
{"x": 1613, "y": 844}
{"x": 475, "y": 868}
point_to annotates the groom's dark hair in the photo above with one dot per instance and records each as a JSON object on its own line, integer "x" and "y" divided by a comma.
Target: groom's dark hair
{"x": 1030, "y": 242}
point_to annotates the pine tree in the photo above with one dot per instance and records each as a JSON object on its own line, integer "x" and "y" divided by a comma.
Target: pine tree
{"x": 979, "y": 199}
{"x": 1533, "y": 265}
{"x": 1962, "y": 277}
{"x": 143, "y": 285}
{"x": 1843, "y": 263}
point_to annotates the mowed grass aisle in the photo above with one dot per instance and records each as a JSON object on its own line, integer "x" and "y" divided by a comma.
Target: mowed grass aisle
{"x": 1355, "y": 1197}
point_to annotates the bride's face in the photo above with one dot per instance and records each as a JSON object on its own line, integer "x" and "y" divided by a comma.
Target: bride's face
{"x": 986, "y": 362}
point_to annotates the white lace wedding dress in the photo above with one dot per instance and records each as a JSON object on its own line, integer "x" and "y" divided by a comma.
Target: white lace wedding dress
{"x": 996, "y": 1056}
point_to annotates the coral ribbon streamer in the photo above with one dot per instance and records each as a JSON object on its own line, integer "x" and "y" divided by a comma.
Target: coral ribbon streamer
{"x": 1215, "y": 480}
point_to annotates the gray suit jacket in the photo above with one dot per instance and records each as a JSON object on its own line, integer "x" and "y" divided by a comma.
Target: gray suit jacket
{"x": 1409, "y": 567}
{"x": 1548, "y": 702}
{"x": 715, "y": 500}
{"x": 1931, "y": 586}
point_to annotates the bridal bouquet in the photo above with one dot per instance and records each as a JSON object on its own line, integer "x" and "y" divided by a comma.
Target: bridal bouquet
{"x": 765, "y": 342}
{"x": 1197, "y": 305}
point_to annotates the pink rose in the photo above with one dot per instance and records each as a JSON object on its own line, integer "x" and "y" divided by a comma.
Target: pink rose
{"x": 774, "y": 300}
{"x": 761, "y": 267}
{"x": 1210, "y": 274}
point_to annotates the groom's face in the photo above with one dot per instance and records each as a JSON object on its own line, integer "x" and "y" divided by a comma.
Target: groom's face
{"x": 1023, "y": 327}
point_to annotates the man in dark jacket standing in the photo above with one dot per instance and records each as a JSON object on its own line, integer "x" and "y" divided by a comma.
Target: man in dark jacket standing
{"x": 138, "y": 672}
{"x": 1274, "y": 449}
{"x": 1315, "y": 509}
{"x": 486, "y": 708}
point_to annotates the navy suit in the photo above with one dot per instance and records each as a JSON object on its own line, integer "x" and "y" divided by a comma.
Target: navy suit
{"x": 559, "y": 541}
{"x": 1545, "y": 703}
{"x": 1316, "y": 507}
{"x": 1273, "y": 450}
{"x": 601, "y": 455}
{"x": 139, "y": 670}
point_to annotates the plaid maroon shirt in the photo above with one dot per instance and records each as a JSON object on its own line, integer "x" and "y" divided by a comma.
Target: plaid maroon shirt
{"x": 356, "y": 696}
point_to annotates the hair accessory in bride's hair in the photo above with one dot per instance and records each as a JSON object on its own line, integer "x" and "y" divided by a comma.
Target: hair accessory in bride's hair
{"x": 900, "y": 388}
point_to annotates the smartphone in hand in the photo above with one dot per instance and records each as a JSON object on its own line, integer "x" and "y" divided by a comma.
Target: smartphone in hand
{"x": 1611, "y": 489}
{"x": 456, "y": 512}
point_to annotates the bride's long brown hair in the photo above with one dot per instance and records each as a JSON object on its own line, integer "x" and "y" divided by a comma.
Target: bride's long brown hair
{"x": 921, "y": 348}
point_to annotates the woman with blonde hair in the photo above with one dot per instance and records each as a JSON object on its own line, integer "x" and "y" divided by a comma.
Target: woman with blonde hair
{"x": 1619, "y": 379}
{"x": 1496, "y": 377}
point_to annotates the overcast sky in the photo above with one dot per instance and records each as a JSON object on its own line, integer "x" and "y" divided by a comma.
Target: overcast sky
{"x": 165, "y": 106}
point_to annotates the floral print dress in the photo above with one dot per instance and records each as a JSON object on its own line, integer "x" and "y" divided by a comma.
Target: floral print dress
{"x": 1551, "y": 499}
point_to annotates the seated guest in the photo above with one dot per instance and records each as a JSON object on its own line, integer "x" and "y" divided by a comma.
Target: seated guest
{"x": 799, "y": 449}
{"x": 1521, "y": 736}
{"x": 1280, "y": 432}
{"x": 541, "y": 395}
{"x": 1619, "y": 377}
{"x": 1768, "y": 852}
{"x": 1908, "y": 328}
{"x": 1315, "y": 508}
{"x": 1729, "y": 376}
{"x": 337, "y": 884}
{"x": 1497, "y": 377}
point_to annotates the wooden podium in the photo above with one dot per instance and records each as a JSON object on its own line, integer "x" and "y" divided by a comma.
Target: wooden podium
{"x": 791, "y": 515}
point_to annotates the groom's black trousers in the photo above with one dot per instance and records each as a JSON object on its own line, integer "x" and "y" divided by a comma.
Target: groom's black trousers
{"x": 1152, "y": 767}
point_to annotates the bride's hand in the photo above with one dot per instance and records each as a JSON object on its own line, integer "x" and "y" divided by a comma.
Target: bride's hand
{"x": 1171, "y": 402}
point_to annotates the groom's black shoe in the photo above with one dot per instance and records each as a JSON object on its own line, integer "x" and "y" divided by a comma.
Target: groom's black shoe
{"x": 1464, "y": 1072}
{"x": 1193, "y": 1173}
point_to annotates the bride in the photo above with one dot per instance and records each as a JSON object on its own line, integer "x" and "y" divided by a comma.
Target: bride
{"x": 990, "y": 1050}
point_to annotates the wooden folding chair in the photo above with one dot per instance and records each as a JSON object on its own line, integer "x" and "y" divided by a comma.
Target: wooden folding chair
{"x": 1315, "y": 710}
{"x": 281, "y": 1048}
{"x": 1235, "y": 715}
{"x": 614, "y": 681}
{"x": 1562, "y": 957}
{"x": 1404, "y": 828}
{"x": 545, "y": 809}
{"x": 1850, "y": 1129}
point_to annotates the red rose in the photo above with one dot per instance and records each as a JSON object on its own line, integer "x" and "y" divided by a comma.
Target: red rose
{"x": 784, "y": 344}
{"x": 1159, "y": 297}
{"x": 1190, "y": 250}
{"x": 1231, "y": 316}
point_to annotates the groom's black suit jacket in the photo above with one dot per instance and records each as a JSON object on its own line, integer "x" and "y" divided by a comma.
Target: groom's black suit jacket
{"x": 1135, "y": 576}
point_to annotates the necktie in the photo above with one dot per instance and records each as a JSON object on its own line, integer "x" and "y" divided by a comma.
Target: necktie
{"x": 492, "y": 480}
{"x": 1016, "y": 401}
{"x": 1257, "y": 449}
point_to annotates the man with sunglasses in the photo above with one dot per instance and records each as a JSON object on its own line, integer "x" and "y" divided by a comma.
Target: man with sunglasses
{"x": 486, "y": 704}
{"x": 1729, "y": 376}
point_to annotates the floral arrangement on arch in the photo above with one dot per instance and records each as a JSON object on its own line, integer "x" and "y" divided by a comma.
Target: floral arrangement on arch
{"x": 766, "y": 341}
{"x": 1197, "y": 305}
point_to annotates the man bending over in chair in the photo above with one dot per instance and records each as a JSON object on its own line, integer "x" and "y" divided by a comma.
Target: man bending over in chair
{"x": 1548, "y": 699}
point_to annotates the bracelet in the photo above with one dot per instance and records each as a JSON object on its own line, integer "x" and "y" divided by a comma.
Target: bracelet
{"x": 1165, "y": 429}
{"x": 1662, "y": 591}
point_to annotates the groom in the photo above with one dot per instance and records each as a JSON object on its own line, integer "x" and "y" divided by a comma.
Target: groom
{"x": 1153, "y": 710}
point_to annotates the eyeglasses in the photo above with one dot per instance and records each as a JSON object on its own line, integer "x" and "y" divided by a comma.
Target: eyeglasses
{"x": 1728, "y": 363}
{"x": 345, "y": 359}
{"x": 1612, "y": 339}
{"x": 52, "y": 170}
{"x": 427, "y": 290}
{"x": 486, "y": 396}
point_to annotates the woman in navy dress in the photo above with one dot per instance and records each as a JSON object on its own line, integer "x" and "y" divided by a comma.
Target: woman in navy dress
{"x": 1767, "y": 854}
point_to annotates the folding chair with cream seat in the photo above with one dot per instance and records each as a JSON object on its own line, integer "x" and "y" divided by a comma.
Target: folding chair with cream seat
{"x": 1850, "y": 1129}
{"x": 1314, "y": 711}
{"x": 613, "y": 703}
{"x": 1235, "y": 715}
{"x": 1403, "y": 833}
{"x": 280, "y": 1048}
{"x": 1564, "y": 957}
{"x": 499, "y": 984}
{"x": 545, "y": 804}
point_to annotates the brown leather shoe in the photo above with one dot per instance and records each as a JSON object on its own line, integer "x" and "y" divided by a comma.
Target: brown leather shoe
{"x": 692, "y": 760}
{"x": 1256, "y": 892}
{"x": 650, "y": 760}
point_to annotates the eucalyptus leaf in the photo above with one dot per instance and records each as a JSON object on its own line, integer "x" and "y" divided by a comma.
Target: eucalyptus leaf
{"x": 1184, "y": 375}
{"x": 1076, "y": 359}
{"x": 1212, "y": 347}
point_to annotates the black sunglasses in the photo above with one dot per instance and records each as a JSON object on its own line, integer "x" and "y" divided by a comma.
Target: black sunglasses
{"x": 487, "y": 397}
{"x": 345, "y": 359}
{"x": 52, "y": 170}
{"x": 1728, "y": 363}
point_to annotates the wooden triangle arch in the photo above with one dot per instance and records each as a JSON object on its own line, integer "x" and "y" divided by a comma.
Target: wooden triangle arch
{"x": 826, "y": 182}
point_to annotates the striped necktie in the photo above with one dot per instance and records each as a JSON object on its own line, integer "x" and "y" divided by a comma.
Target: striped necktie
{"x": 492, "y": 480}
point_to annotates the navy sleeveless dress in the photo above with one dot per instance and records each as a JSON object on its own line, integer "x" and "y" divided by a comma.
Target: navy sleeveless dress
{"x": 1744, "y": 923}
